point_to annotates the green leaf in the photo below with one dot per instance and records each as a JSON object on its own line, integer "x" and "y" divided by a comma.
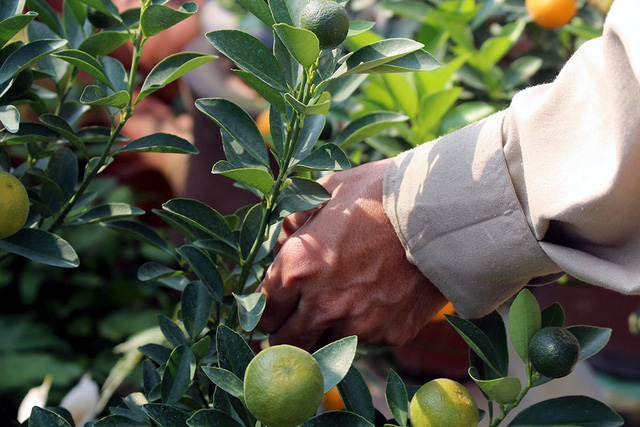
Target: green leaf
{"x": 435, "y": 105}
{"x": 568, "y": 410}
{"x": 166, "y": 415}
{"x": 201, "y": 348}
{"x": 9, "y": 8}
{"x": 403, "y": 92}
{"x": 329, "y": 157}
{"x": 522, "y": 70}
{"x": 250, "y": 308}
{"x": 157, "y": 18}
{"x": 86, "y": 63}
{"x": 238, "y": 124}
{"x": 171, "y": 331}
{"x": 218, "y": 248}
{"x": 116, "y": 73}
{"x": 170, "y": 69}
{"x": 45, "y": 418}
{"x": 335, "y": 360}
{"x": 141, "y": 232}
{"x": 437, "y": 79}
{"x": 234, "y": 354}
{"x": 205, "y": 269}
{"x": 250, "y": 229}
{"x": 503, "y": 390}
{"x": 271, "y": 95}
{"x": 94, "y": 95}
{"x": 260, "y": 9}
{"x": 420, "y": 60}
{"x": 10, "y": 118}
{"x": 12, "y": 26}
{"x": 320, "y": 107}
{"x": 397, "y": 399}
{"x": 250, "y": 54}
{"x": 313, "y": 126}
{"x": 359, "y": 27}
{"x": 464, "y": 114}
{"x": 356, "y": 396}
{"x": 375, "y": 54}
{"x": 552, "y": 316}
{"x": 160, "y": 143}
{"x": 150, "y": 376}
{"x": 303, "y": 194}
{"x": 41, "y": 246}
{"x": 302, "y": 44}
{"x": 287, "y": 11}
{"x": 493, "y": 325}
{"x": 26, "y": 55}
{"x": 64, "y": 129}
{"x": 203, "y": 217}
{"x": 63, "y": 170}
{"x": 28, "y": 132}
{"x": 196, "y": 308}
{"x": 104, "y": 42}
{"x": 178, "y": 374}
{"x": 153, "y": 270}
{"x": 107, "y": 212}
{"x": 259, "y": 179}
{"x": 226, "y": 380}
{"x": 592, "y": 339}
{"x": 337, "y": 419}
{"x": 91, "y": 134}
{"x": 367, "y": 126}
{"x": 477, "y": 340}
{"x": 118, "y": 421}
{"x": 212, "y": 417}
{"x": 524, "y": 322}
{"x": 156, "y": 352}
{"x": 46, "y": 15}
{"x": 104, "y": 6}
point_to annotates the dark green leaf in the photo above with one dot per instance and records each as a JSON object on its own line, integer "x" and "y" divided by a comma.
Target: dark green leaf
{"x": 45, "y": 418}
{"x": 12, "y": 26}
{"x": 376, "y": 54}
{"x": 104, "y": 6}
{"x": 107, "y": 212}
{"x": 156, "y": 352}
{"x": 212, "y": 417}
{"x": 397, "y": 399}
{"x": 171, "y": 331}
{"x": 86, "y": 63}
{"x": 417, "y": 61}
{"x": 356, "y": 396}
{"x": 271, "y": 95}
{"x": 94, "y": 95}
{"x": 63, "y": 170}
{"x": 250, "y": 308}
{"x": 250, "y": 54}
{"x": 141, "y": 232}
{"x": 119, "y": 421}
{"x": 27, "y": 54}
{"x": 104, "y": 42}
{"x": 237, "y": 123}
{"x": 234, "y": 354}
{"x": 329, "y": 157}
{"x": 592, "y": 339}
{"x": 41, "y": 246}
{"x": 337, "y": 419}
{"x": 477, "y": 340}
{"x": 172, "y": 68}
{"x": 205, "y": 269}
{"x": 287, "y": 11}
{"x": 46, "y": 15}
{"x": 260, "y": 9}
{"x": 157, "y": 18}
{"x": 493, "y": 325}
{"x": 259, "y": 179}
{"x": 203, "y": 217}
{"x": 226, "y": 380}
{"x": 28, "y": 132}
{"x": 196, "y": 308}
{"x": 201, "y": 348}
{"x": 60, "y": 125}
{"x": 524, "y": 322}
{"x": 313, "y": 126}
{"x": 218, "y": 248}
{"x": 178, "y": 374}
{"x": 303, "y": 194}
{"x": 153, "y": 271}
{"x": 568, "y": 410}
{"x": 237, "y": 155}
{"x": 552, "y": 316}
{"x": 150, "y": 376}
{"x": 369, "y": 125}
{"x": 250, "y": 229}
{"x": 302, "y": 44}
{"x": 166, "y": 415}
{"x": 335, "y": 360}
{"x": 160, "y": 143}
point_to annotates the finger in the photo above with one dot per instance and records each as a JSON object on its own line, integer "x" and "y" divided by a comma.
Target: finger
{"x": 300, "y": 329}
{"x": 281, "y": 301}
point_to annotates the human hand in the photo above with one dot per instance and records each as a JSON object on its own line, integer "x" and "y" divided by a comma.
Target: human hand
{"x": 341, "y": 270}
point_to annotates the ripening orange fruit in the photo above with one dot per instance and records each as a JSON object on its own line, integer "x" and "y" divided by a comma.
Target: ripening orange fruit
{"x": 447, "y": 309}
{"x": 332, "y": 401}
{"x": 551, "y": 13}
{"x": 263, "y": 123}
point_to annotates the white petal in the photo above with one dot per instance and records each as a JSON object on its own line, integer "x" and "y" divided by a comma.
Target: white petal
{"x": 81, "y": 400}
{"x": 37, "y": 396}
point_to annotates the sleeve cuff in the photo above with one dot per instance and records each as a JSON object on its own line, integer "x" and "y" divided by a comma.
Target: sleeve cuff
{"x": 455, "y": 210}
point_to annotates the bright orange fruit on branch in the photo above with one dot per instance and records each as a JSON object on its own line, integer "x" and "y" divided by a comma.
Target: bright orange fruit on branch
{"x": 447, "y": 309}
{"x": 332, "y": 401}
{"x": 551, "y": 13}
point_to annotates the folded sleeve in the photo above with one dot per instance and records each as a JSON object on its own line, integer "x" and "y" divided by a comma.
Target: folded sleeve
{"x": 551, "y": 184}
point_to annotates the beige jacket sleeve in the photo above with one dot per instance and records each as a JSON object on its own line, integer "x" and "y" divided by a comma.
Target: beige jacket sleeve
{"x": 551, "y": 184}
